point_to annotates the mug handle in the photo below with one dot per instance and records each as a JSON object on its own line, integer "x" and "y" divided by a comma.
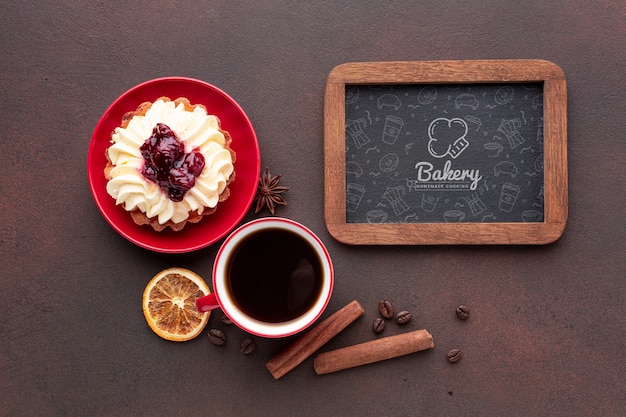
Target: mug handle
{"x": 207, "y": 303}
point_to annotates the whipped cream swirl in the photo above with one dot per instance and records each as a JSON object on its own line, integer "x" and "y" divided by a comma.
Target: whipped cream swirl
{"x": 198, "y": 131}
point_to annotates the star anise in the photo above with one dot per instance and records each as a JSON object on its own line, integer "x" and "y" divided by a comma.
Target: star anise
{"x": 269, "y": 193}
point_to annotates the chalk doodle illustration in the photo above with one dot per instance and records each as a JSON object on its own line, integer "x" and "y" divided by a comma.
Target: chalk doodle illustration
{"x": 353, "y": 168}
{"x": 394, "y": 197}
{"x": 429, "y": 202}
{"x": 466, "y": 100}
{"x": 354, "y": 196}
{"x": 505, "y": 168}
{"x": 453, "y": 216}
{"x": 388, "y": 162}
{"x": 444, "y": 153}
{"x": 504, "y": 95}
{"x": 475, "y": 204}
{"x": 494, "y": 149}
{"x": 508, "y": 197}
{"x": 376, "y": 216}
{"x": 354, "y": 128}
{"x": 352, "y": 96}
{"x": 475, "y": 121}
{"x": 391, "y": 131}
{"x": 427, "y": 95}
{"x": 447, "y": 137}
{"x": 510, "y": 129}
{"x": 389, "y": 101}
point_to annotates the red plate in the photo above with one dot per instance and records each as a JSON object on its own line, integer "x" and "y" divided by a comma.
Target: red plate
{"x": 247, "y": 166}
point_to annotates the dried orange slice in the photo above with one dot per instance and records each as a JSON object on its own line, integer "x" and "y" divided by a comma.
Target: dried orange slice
{"x": 169, "y": 304}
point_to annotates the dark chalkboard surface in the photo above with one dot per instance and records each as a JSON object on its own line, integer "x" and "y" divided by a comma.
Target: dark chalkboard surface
{"x": 446, "y": 152}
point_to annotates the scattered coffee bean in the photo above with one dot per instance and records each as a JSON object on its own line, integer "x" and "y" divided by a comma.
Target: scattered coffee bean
{"x": 379, "y": 325}
{"x": 247, "y": 346}
{"x": 462, "y": 312}
{"x": 217, "y": 337}
{"x": 454, "y": 355}
{"x": 226, "y": 320}
{"x": 403, "y": 317}
{"x": 385, "y": 308}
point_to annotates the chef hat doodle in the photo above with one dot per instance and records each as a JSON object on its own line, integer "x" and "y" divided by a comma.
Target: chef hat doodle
{"x": 447, "y": 137}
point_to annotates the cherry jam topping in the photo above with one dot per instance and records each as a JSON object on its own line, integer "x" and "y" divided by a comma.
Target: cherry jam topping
{"x": 167, "y": 164}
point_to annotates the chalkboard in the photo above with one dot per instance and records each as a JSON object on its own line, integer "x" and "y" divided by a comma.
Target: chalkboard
{"x": 446, "y": 152}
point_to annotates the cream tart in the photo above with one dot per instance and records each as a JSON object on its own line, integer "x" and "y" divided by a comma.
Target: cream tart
{"x": 169, "y": 163}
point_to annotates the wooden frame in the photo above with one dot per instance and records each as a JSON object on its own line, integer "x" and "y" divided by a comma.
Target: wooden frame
{"x": 448, "y": 72}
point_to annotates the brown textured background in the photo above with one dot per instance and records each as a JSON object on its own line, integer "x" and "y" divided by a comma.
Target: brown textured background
{"x": 546, "y": 335}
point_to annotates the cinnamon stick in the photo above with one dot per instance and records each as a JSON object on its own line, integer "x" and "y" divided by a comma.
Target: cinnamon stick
{"x": 303, "y": 347}
{"x": 373, "y": 351}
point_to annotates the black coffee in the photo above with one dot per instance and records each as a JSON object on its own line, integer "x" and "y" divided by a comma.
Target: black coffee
{"x": 275, "y": 275}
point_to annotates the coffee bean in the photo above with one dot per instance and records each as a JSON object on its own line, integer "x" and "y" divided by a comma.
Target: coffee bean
{"x": 217, "y": 337}
{"x": 385, "y": 308}
{"x": 454, "y": 355}
{"x": 225, "y": 319}
{"x": 462, "y": 312}
{"x": 247, "y": 346}
{"x": 379, "y": 325}
{"x": 403, "y": 317}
